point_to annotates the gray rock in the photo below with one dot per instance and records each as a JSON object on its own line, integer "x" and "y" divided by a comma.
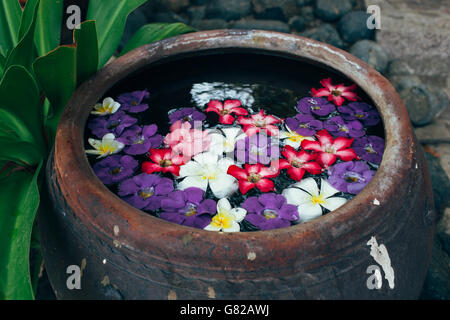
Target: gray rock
{"x": 440, "y": 183}
{"x": 210, "y": 24}
{"x": 399, "y": 68}
{"x": 325, "y": 33}
{"x": 330, "y": 10}
{"x": 443, "y": 231}
{"x": 228, "y": 9}
{"x": 196, "y": 13}
{"x": 307, "y": 13}
{"x": 199, "y": 2}
{"x": 297, "y": 23}
{"x": 352, "y": 27}
{"x": 301, "y": 3}
{"x": 273, "y": 25}
{"x": 168, "y": 16}
{"x": 371, "y": 53}
{"x": 176, "y": 6}
{"x": 274, "y": 10}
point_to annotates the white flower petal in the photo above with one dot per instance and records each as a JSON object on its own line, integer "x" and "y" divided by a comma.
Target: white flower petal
{"x": 235, "y": 227}
{"x": 191, "y": 168}
{"x": 223, "y": 185}
{"x": 95, "y": 143}
{"x": 194, "y": 181}
{"x": 296, "y": 196}
{"x": 309, "y": 211}
{"x": 212, "y": 227}
{"x": 223, "y": 164}
{"x": 326, "y": 189}
{"x": 93, "y": 151}
{"x": 293, "y": 144}
{"x": 206, "y": 158}
{"x": 223, "y": 205}
{"x": 231, "y": 133}
{"x": 108, "y": 137}
{"x": 239, "y": 214}
{"x": 333, "y": 203}
{"x": 309, "y": 185}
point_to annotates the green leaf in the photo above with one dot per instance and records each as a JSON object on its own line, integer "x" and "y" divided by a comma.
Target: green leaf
{"x": 20, "y": 152}
{"x": 87, "y": 50}
{"x": 57, "y": 74}
{"x": 110, "y": 17}
{"x": 23, "y": 54}
{"x": 20, "y": 102}
{"x": 48, "y": 26}
{"x": 10, "y": 13}
{"x": 19, "y": 201}
{"x": 2, "y": 65}
{"x": 155, "y": 32}
{"x": 12, "y": 128}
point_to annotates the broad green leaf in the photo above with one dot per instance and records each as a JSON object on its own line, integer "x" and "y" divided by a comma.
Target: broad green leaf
{"x": 48, "y": 26}
{"x": 19, "y": 201}
{"x": 20, "y": 152}
{"x": 2, "y": 65}
{"x": 24, "y": 53}
{"x": 87, "y": 50}
{"x": 155, "y": 32}
{"x": 19, "y": 98}
{"x": 57, "y": 74}
{"x": 10, "y": 13}
{"x": 110, "y": 17}
{"x": 12, "y": 128}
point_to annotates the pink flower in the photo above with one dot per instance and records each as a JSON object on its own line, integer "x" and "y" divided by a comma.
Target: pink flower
{"x": 163, "y": 160}
{"x": 252, "y": 176}
{"x": 224, "y": 110}
{"x": 335, "y": 93}
{"x": 297, "y": 162}
{"x": 330, "y": 149}
{"x": 260, "y": 122}
{"x": 187, "y": 141}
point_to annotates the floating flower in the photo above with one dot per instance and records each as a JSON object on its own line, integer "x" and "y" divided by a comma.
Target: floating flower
{"x": 207, "y": 169}
{"x": 270, "y": 211}
{"x": 329, "y": 149}
{"x": 108, "y": 106}
{"x": 139, "y": 140}
{"x": 297, "y": 162}
{"x": 318, "y": 106}
{"x": 292, "y": 138}
{"x": 341, "y": 128}
{"x": 350, "y": 177}
{"x": 187, "y": 207}
{"x": 115, "y": 168}
{"x": 369, "y": 148}
{"x": 226, "y": 109}
{"x": 252, "y": 176}
{"x": 163, "y": 160}
{"x": 224, "y": 140}
{"x": 187, "y": 141}
{"x": 145, "y": 191}
{"x": 227, "y": 218}
{"x": 304, "y": 124}
{"x": 260, "y": 122}
{"x": 105, "y": 147}
{"x": 132, "y": 101}
{"x": 115, "y": 123}
{"x": 336, "y": 93}
{"x": 257, "y": 148}
{"x": 360, "y": 111}
{"x": 187, "y": 115}
{"x": 309, "y": 201}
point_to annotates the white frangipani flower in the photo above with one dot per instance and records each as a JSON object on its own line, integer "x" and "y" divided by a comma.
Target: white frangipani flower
{"x": 207, "y": 169}
{"x": 224, "y": 140}
{"x": 227, "y": 218}
{"x": 105, "y": 147}
{"x": 309, "y": 201}
{"x": 292, "y": 138}
{"x": 108, "y": 106}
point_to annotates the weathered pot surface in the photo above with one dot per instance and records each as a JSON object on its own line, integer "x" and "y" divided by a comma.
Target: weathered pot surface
{"x": 125, "y": 253}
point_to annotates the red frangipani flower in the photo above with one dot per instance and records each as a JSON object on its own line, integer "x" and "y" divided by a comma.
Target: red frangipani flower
{"x": 335, "y": 93}
{"x": 225, "y": 109}
{"x": 253, "y": 176}
{"x": 260, "y": 122}
{"x": 329, "y": 149}
{"x": 297, "y": 162}
{"x": 164, "y": 160}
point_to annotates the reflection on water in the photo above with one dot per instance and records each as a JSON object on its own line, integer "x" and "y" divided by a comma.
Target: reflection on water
{"x": 202, "y": 93}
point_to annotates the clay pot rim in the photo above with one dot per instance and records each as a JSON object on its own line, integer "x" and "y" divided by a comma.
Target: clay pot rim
{"x": 134, "y": 225}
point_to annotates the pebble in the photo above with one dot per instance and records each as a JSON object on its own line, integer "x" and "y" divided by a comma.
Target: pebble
{"x": 228, "y": 9}
{"x": 330, "y": 10}
{"x": 325, "y": 33}
{"x": 371, "y": 53}
{"x": 210, "y": 24}
{"x": 352, "y": 27}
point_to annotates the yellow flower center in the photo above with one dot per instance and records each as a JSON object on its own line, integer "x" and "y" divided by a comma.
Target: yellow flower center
{"x": 295, "y": 137}
{"x": 165, "y": 163}
{"x": 317, "y": 199}
{"x": 192, "y": 210}
{"x": 270, "y": 214}
{"x": 144, "y": 194}
{"x": 336, "y": 93}
{"x": 222, "y": 221}
{"x": 254, "y": 177}
{"x": 107, "y": 149}
{"x": 105, "y": 108}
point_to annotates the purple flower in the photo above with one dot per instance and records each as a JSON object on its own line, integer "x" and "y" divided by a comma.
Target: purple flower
{"x": 187, "y": 207}
{"x": 350, "y": 177}
{"x": 187, "y": 114}
{"x": 360, "y": 111}
{"x": 319, "y": 106}
{"x": 338, "y": 127}
{"x": 139, "y": 140}
{"x": 132, "y": 101}
{"x": 257, "y": 148}
{"x": 115, "y": 168}
{"x": 145, "y": 191}
{"x": 369, "y": 148}
{"x": 270, "y": 211}
{"x": 115, "y": 123}
{"x": 304, "y": 124}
